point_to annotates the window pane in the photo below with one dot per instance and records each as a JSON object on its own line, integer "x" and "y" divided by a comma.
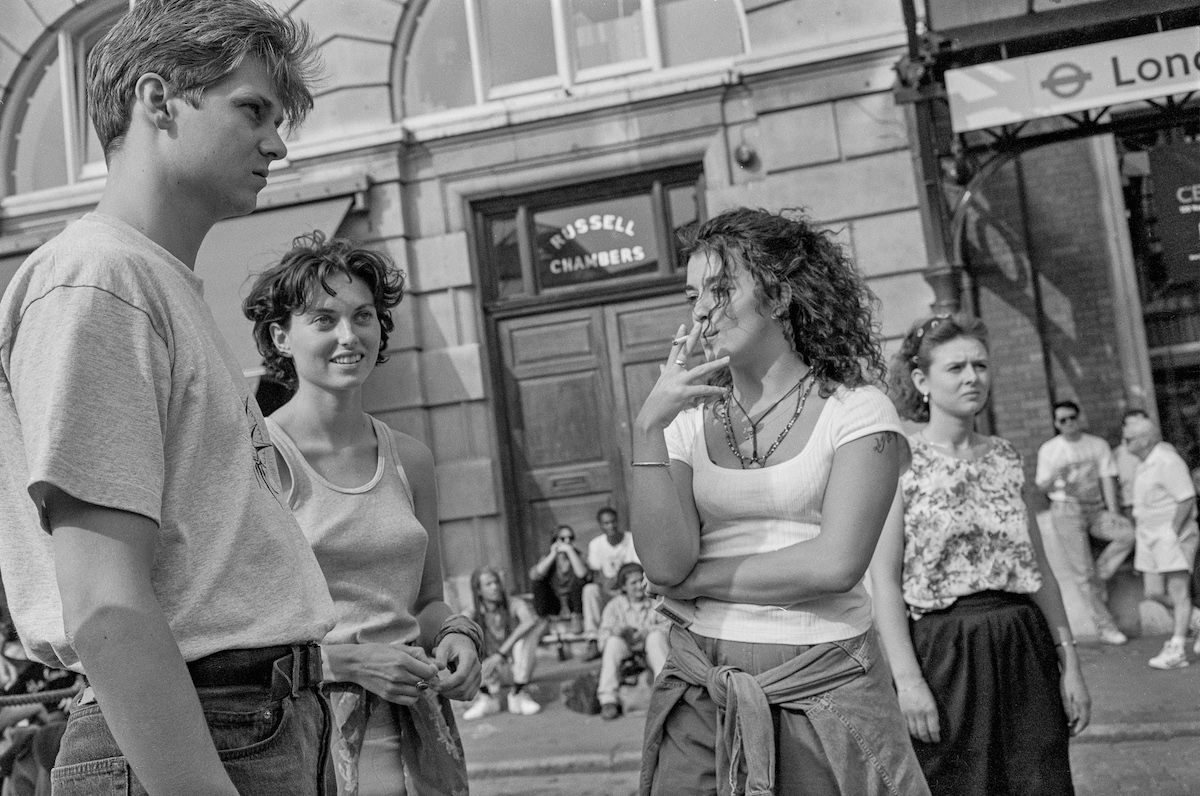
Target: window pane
{"x": 684, "y": 210}
{"x": 595, "y": 241}
{"x": 506, "y": 257}
{"x": 696, "y": 30}
{"x": 517, "y": 39}
{"x": 437, "y": 73}
{"x": 606, "y": 32}
{"x": 41, "y": 151}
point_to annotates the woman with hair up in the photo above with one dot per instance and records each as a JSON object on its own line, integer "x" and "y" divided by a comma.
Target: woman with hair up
{"x": 365, "y": 496}
{"x": 763, "y": 476}
{"x": 969, "y": 612}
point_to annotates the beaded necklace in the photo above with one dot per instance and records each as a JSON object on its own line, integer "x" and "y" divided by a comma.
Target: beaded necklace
{"x": 754, "y": 462}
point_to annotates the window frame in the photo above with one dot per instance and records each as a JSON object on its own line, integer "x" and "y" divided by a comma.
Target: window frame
{"x": 656, "y": 184}
{"x": 65, "y": 42}
{"x": 566, "y": 76}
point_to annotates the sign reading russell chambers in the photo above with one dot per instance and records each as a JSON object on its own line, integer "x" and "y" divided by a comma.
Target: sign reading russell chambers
{"x": 1074, "y": 79}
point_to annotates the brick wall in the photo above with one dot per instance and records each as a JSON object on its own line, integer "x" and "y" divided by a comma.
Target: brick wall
{"x": 1064, "y": 239}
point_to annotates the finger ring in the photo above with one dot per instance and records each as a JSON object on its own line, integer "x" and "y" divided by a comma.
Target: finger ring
{"x": 421, "y": 684}
{"x": 681, "y": 363}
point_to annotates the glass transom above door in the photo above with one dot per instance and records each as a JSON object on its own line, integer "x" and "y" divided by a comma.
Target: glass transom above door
{"x": 590, "y": 242}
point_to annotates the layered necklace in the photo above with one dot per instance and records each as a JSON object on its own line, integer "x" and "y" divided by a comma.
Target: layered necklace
{"x": 754, "y": 461}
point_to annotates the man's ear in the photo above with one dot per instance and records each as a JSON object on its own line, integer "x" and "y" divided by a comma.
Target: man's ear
{"x": 281, "y": 339}
{"x": 151, "y": 94}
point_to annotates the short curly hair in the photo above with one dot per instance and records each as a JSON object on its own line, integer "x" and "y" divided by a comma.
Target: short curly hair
{"x": 916, "y": 351}
{"x": 287, "y": 289}
{"x": 804, "y": 280}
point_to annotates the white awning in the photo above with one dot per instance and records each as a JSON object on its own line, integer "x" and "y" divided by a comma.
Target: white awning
{"x": 238, "y": 248}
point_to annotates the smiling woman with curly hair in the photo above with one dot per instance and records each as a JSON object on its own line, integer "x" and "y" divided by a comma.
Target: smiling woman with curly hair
{"x": 764, "y": 475}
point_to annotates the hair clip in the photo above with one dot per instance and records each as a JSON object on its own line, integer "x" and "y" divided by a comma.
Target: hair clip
{"x": 930, "y": 325}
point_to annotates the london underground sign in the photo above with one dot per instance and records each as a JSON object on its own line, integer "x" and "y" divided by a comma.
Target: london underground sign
{"x": 1074, "y": 79}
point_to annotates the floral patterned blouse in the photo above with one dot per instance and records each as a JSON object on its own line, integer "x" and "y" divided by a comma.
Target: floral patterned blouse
{"x": 965, "y": 526}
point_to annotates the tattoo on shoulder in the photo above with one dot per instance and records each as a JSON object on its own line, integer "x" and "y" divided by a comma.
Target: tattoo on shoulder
{"x": 882, "y": 441}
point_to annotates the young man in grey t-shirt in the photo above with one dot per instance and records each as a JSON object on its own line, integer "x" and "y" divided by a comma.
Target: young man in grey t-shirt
{"x": 145, "y": 541}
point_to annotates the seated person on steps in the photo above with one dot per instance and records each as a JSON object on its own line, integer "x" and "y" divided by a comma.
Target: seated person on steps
{"x": 605, "y": 555}
{"x": 558, "y": 579}
{"x": 628, "y": 626}
{"x": 511, "y": 631}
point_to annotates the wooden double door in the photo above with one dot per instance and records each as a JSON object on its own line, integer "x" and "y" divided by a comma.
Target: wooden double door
{"x": 573, "y": 382}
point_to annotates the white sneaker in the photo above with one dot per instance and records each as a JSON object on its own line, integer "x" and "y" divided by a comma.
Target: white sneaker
{"x": 1172, "y": 656}
{"x": 522, "y": 704}
{"x": 1110, "y": 635}
{"x": 484, "y": 705}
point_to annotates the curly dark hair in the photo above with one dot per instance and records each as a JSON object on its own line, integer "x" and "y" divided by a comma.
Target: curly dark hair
{"x": 916, "y": 351}
{"x": 287, "y": 289}
{"x": 804, "y": 280}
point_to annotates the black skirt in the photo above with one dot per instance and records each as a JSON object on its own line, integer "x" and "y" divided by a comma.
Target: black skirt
{"x": 992, "y": 666}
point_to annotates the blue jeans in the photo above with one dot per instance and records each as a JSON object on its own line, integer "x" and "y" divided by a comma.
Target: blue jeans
{"x": 270, "y": 741}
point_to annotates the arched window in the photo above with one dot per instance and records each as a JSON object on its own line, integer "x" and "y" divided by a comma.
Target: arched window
{"x": 470, "y": 51}
{"x": 50, "y": 141}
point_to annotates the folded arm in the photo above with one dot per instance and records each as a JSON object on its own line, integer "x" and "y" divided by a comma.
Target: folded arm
{"x": 858, "y": 495}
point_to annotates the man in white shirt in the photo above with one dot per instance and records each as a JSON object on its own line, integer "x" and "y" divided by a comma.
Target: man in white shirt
{"x": 605, "y": 555}
{"x": 1078, "y": 474}
{"x": 1165, "y": 510}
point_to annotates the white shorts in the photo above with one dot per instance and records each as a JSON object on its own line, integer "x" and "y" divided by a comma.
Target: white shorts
{"x": 1159, "y": 549}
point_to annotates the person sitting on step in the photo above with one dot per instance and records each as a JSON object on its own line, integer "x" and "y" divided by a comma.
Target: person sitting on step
{"x": 629, "y": 626}
{"x": 511, "y": 631}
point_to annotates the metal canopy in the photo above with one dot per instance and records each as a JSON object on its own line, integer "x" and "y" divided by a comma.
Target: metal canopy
{"x": 953, "y": 166}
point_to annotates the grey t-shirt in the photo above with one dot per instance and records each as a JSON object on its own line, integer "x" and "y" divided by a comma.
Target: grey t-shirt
{"x": 117, "y": 388}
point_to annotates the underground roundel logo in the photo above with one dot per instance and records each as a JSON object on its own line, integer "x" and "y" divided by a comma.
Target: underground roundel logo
{"x": 1066, "y": 80}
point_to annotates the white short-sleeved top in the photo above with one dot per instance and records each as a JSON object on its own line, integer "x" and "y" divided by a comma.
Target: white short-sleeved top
{"x": 744, "y": 512}
{"x": 1162, "y": 482}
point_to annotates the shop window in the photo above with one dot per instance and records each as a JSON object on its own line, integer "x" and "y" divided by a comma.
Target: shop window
{"x": 466, "y": 52}
{"x": 588, "y": 236}
{"x": 51, "y": 139}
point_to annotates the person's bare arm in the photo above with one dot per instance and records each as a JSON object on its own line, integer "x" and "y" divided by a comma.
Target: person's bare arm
{"x": 1108, "y": 487}
{"x": 103, "y": 559}
{"x": 858, "y": 496}
{"x": 891, "y": 619}
{"x": 1076, "y": 700}
{"x": 1184, "y": 511}
{"x": 455, "y": 651}
{"x": 665, "y": 523}
{"x": 577, "y": 566}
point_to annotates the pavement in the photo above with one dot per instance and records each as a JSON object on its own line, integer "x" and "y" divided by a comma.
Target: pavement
{"x": 1142, "y": 739}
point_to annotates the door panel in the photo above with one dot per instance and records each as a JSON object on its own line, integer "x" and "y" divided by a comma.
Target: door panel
{"x": 639, "y": 338}
{"x": 560, "y": 419}
{"x": 573, "y": 382}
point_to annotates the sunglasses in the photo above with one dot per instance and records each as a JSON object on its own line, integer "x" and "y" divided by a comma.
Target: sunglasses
{"x": 566, "y": 538}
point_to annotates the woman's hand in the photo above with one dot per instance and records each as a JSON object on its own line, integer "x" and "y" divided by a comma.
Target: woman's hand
{"x": 396, "y": 672}
{"x": 678, "y": 387}
{"x": 1075, "y": 697}
{"x": 457, "y": 657}
{"x": 920, "y": 711}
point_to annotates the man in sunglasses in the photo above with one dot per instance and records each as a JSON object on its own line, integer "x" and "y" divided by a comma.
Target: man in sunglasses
{"x": 1079, "y": 475}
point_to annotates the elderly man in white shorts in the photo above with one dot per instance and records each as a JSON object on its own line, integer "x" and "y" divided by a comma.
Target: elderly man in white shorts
{"x": 1164, "y": 508}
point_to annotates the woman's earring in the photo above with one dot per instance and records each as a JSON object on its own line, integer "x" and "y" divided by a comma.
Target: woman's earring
{"x": 925, "y": 398}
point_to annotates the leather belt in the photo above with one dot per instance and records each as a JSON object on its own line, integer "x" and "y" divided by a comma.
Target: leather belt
{"x": 255, "y": 667}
